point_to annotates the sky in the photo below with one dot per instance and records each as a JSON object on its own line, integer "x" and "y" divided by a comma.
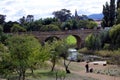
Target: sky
{"x": 16, "y": 9}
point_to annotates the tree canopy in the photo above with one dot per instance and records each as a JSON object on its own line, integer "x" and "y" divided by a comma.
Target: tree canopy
{"x": 115, "y": 36}
{"x": 21, "y": 49}
{"x": 62, "y": 15}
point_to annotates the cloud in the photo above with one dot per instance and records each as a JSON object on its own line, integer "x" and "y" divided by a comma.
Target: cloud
{"x": 15, "y": 9}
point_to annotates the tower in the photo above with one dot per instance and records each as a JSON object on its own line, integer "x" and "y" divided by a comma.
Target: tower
{"x": 76, "y": 15}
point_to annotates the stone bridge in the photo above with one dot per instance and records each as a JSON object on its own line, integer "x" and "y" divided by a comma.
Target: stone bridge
{"x": 80, "y": 35}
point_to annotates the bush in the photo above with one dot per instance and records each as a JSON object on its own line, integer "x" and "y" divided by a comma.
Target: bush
{"x": 86, "y": 51}
{"x": 116, "y": 57}
{"x": 106, "y": 46}
{"x": 50, "y": 27}
{"x": 104, "y": 53}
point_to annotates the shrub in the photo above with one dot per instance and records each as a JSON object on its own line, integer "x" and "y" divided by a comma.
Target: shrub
{"x": 104, "y": 53}
{"x": 86, "y": 51}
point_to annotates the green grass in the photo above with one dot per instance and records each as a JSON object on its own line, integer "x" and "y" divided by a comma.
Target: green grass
{"x": 71, "y": 40}
{"x": 46, "y": 75}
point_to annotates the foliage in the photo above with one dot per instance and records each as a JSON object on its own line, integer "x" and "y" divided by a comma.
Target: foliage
{"x": 105, "y": 38}
{"x": 71, "y": 40}
{"x": 66, "y": 26}
{"x": 104, "y": 53}
{"x": 116, "y": 57}
{"x": 106, "y": 46}
{"x": 86, "y": 51}
{"x": 118, "y": 16}
{"x": 37, "y": 25}
{"x": 113, "y": 56}
{"x": 118, "y": 12}
{"x": 112, "y": 12}
{"x": 48, "y": 21}
{"x": 118, "y": 4}
{"x": 2, "y": 19}
{"x": 29, "y": 18}
{"x": 37, "y": 60}
{"x": 83, "y": 24}
{"x": 91, "y": 25}
{"x": 73, "y": 24}
{"x": 60, "y": 75}
{"x": 59, "y": 50}
{"x": 89, "y": 41}
{"x": 105, "y": 21}
{"x": 5, "y": 67}
{"x": 8, "y": 25}
{"x": 47, "y": 24}
{"x": 22, "y": 21}
{"x": 115, "y": 36}
{"x": 55, "y": 52}
{"x": 62, "y": 15}
{"x": 93, "y": 42}
{"x": 28, "y": 23}
{"x": 62, "y": 49}
{"x": 3, "y": 36}
{"x": 21, "y": 48}
{"x": 109, "y": 14}
{"x": 61, "y": 21}
{"x": 50, "y": 27}
{"x": 1, "y": 29}
{"x": 17, "y": 28}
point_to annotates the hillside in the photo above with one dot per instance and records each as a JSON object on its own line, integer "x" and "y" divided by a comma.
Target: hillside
{"x": 96, "y": 16}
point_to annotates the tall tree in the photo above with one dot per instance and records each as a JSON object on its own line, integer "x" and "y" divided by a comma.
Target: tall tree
{"x": 30, "y": 18}
{"x": 112, "y": 12}
{"x": 109, "y": 12}
{"x": 118, "y": 12}
{"x": 118, "y": 4}
{"x": 118, "y": 16}
{"x": 22, "y": 21}
{"x": 54, "y": 54}
{"x": 62, "y": 15}
{"x": 105, "y": 21}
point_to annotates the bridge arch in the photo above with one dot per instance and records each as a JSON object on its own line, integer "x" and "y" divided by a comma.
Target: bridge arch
{"x": 78, "y": 40}
{"x": 77, "y": 37}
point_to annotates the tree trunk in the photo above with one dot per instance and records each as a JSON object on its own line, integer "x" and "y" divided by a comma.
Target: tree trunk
{"x": 53, "y": 66}
{"x": 32, "y": 72}
{"x": 66, "y": 66}
{"x": 23, "y": 77}
{"x": 22, "y": 74}
{"x": 67, "y": 70}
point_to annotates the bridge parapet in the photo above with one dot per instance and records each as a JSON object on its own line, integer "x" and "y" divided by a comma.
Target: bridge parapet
{"x": 86, "y": 31}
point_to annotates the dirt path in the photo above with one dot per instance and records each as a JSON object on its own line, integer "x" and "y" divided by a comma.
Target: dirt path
{"x": 93, "y": 75}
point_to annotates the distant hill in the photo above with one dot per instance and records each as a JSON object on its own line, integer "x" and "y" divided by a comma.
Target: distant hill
{"x": 96, "y": 16}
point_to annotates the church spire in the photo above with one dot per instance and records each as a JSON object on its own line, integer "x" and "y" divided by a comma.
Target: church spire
{"x": 76, "y": 15}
